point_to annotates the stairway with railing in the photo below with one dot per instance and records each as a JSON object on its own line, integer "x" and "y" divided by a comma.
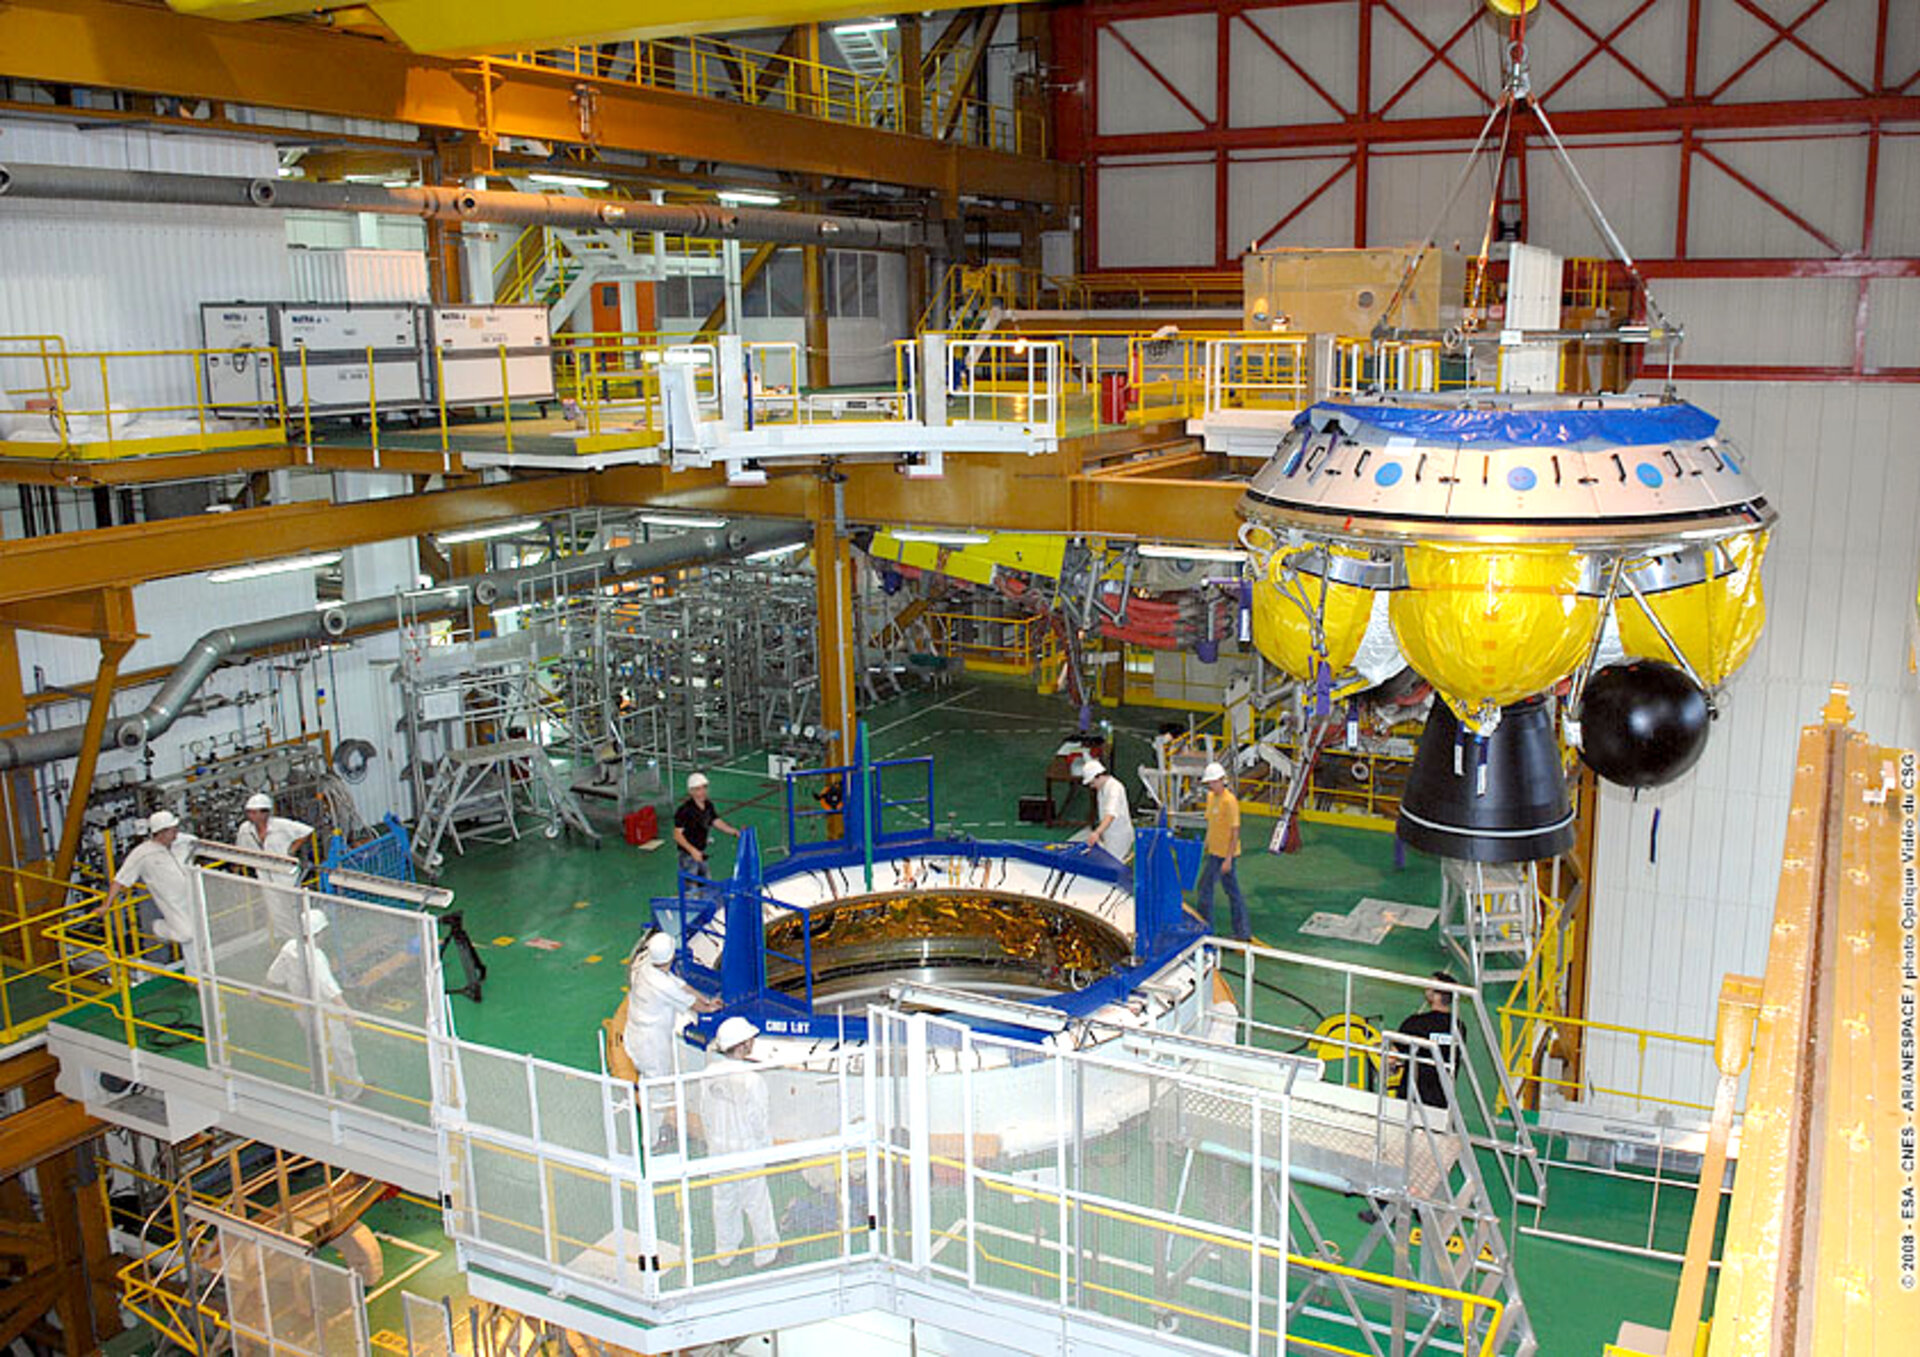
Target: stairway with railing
{"x": 864, "y": 93}
{"x": 557, "y": 267}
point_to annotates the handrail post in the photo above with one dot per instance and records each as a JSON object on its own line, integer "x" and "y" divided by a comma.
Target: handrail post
{"x": 506, "y": 397}
{"x": 106, "y": 406}
{"x": 373, "y": 408}
{"x": 440, "y": 394}
{"x": 306, "y": 402}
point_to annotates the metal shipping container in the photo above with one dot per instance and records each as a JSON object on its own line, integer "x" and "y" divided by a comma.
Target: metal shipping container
{"x": 238, "y": 382}
{"x": 480, "y": 348}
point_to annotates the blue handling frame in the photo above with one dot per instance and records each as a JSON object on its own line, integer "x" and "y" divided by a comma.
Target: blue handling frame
{"x": 1166, "y": 867}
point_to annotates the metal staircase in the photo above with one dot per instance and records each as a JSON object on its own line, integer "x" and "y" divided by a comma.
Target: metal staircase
{"x": 558, "y": 267}
{"x": 865, "y": 49}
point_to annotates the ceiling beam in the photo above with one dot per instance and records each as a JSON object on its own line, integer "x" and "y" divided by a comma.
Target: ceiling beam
{"x": 147, "y": 49}
{"x": 78, "y": 562}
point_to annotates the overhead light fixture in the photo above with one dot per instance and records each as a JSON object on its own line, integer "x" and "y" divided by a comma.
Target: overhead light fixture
{"x": 569, "y": 180}
{"x": 741, "y": 197}
{"x": 396, "y": 183}
{"x": 670, "y": 521}
{"x": 866, "y": 26}
{"x": 450, "y": 539}
{"x": 286, "y": 565}
{"x": 1162, "y": 551}
{"x": 775, "y": 553}
{"x": 941, "y": 539}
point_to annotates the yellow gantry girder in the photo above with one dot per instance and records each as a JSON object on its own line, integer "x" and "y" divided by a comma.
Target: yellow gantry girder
{"x": 1820, "y": 1254}
{"x": 462, "y": 27}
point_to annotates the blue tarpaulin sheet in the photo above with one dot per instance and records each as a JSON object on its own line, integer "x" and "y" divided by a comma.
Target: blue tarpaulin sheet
{"x": 1620, "y": 427}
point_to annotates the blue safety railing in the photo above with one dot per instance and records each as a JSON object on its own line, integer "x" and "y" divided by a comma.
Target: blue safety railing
{"x": 918, "y": 823}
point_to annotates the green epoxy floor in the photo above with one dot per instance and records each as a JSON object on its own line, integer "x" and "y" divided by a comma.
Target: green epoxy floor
{"x": 991, "y": 741}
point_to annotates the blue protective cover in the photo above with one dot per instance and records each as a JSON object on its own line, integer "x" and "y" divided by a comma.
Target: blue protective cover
{"x": 1587, "y": 429}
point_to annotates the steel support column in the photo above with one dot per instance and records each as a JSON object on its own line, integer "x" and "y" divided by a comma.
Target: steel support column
{"x": 833, "y": 633}
{"x": 113, "y": 649}
{"x": 819, "y": 366}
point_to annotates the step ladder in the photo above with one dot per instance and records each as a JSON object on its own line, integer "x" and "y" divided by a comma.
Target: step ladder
{"x": 1489, "y": 917}
{"x": 482, "y": 792}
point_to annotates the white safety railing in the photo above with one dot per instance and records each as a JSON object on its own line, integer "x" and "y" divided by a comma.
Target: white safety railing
{"x": 1004, "y": 381}
{"x": 346, "y": 1014}
{"x": 1266, "y": 372}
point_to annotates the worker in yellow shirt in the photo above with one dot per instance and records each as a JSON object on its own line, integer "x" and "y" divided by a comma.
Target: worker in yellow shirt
{"x": 1222, "y": 851}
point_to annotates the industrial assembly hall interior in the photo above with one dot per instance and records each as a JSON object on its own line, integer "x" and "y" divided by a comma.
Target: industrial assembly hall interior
{"x": 1099, "y": 677}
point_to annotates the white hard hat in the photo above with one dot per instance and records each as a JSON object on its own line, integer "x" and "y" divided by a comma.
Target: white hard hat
{"x": 697, "y": 780}
{"x": 660, "y": 949}
{"x": 315, "y": 921}
{"x": 733, "y": 1032}
{"x": 1213, "y": 772}
{"x": 259, "y": 801}
{"x": 1091, "y": 769}
{"x": 162, "y": 820}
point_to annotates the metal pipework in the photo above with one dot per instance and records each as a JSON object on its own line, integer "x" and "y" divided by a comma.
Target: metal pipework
{"x": 227, "y": 645}
{"x": 701, "y": 220}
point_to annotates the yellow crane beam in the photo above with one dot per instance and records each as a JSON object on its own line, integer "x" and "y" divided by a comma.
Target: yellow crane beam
{"x": 153, "y": 50}
{"x": 459, "y": 26}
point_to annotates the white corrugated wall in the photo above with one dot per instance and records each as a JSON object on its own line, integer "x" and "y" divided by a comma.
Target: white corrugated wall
{"x": 1671, "y": 916}
{"x": 121, "y": 276}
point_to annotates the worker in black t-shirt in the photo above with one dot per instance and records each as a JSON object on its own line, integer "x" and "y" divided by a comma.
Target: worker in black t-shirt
{"x": 1433, "y": 1023}
{"x": 693, "y": 825}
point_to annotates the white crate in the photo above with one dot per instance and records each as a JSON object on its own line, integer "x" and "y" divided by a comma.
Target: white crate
{"x": 345, "y": 330}
{"x": 237, "y": 381}
{"x": 470, "y": 366}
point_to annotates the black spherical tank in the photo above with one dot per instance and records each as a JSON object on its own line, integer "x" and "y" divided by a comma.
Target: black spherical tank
{"x": 1501, "y": 798}
{"x": 1642, "y": 724}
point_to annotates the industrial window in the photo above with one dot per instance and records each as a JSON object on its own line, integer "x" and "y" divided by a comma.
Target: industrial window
{"x": 853, "y": 284}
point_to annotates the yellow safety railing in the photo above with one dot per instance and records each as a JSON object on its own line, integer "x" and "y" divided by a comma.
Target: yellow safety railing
{"x": 82, "y": 398}
{"x": 1644, "y": 1039}
{"x": 539, "y": 258}
{"x": 715, "y": 69}
{"x": 1358, "y": 788}
{"x": 107, "y": 957}
{"x": 536, "y": 253}
{"x": 46, "y": 352}
{"x": 1166, "y": 378}
{"x": 1210, "y": 288}
{"x": 40, "y": 980}
{"x": 996, "y": 645}
{"x": 1584, "y": 284}
{"x": 966, "y": 293}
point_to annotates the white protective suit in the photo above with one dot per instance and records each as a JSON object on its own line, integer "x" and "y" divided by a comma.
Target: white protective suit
{"x": 281, "y": 895}
{"x": 289, "y": 972}
{"x": 162, "y": 870}
{"x": 736, "y": 1111}
{"x": 658, "y": 1005}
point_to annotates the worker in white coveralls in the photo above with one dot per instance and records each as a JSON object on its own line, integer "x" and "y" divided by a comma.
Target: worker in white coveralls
{"x": 159, "y": 862}
{"x": 301, "y": 969}
{"x": 1112, "y": 832}
{"x": 737, "y": 1113}
{"x": 265, "y": 832}
{"x": 659, "y": 1004}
